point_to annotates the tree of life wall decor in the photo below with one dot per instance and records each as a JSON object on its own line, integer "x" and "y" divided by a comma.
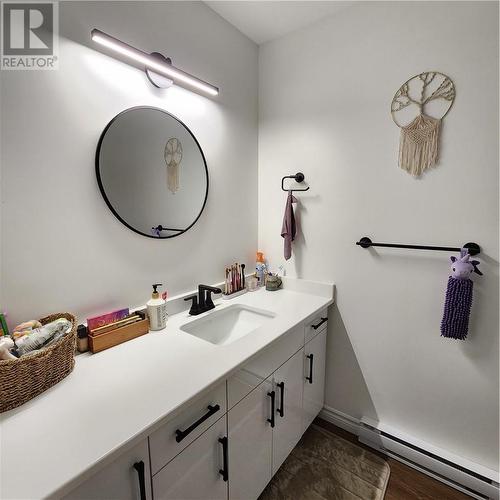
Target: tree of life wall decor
{"x": 418, "y": 108}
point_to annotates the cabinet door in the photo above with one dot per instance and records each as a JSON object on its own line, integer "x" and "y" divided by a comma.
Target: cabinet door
{"x": 195, "y": 473}
{"x": 250, "y": 444}
{"x": 289, "y": 387}
{"x": 314, "y": 377}
{"x": 119, "y": 480}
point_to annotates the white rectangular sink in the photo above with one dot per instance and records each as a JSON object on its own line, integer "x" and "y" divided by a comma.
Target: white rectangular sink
{"x": 224, "y": 326}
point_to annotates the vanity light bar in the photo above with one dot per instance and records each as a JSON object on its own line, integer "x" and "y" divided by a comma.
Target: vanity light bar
{"x": 151, "y": 63}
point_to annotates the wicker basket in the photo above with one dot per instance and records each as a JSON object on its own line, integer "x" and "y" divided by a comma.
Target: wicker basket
{"x": 25, "y": 378}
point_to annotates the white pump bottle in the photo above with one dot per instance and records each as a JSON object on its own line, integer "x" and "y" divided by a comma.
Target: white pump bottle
{"x": 157, "y": 310}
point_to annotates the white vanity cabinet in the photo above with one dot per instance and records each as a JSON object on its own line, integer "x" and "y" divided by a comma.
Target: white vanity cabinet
{"x": 269, "y": 421}
{"x": 228, "y": 442}
{"x": 127, "y": 478}
{"x": 314, "y": 377}
{"x": 199, "y": 472}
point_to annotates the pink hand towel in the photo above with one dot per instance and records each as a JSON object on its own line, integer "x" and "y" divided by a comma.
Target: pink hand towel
{"x": 289, "y": 228}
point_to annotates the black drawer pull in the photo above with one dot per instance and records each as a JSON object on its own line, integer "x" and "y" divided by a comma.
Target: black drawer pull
{"x": 323, "y": 320}
{"x": 272, "y": 395}
{"x": 281, "y": 410}
{"x": 225, "y": 465}
{"x": 310, "y": 357}
{"x": 139, "y": 467}
{"x": 180, "y": 435}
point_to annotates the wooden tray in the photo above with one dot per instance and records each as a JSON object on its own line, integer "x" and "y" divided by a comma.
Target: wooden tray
{"x": 118, "y": 336}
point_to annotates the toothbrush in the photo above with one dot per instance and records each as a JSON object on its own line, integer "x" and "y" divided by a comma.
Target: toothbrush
{"x": 242, "y": 276}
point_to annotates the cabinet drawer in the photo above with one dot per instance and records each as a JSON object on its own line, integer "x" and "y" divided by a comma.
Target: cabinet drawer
{"x": 265, "y": 363}
{"x": 316, "y": 324}
{"x": 195, "y": 473}
{"x": 166, "y": 442}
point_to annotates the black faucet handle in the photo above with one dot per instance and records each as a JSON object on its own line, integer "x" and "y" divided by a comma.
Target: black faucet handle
{"x": 205, "y": 293}
{"x": 195, "y": 308}
{"x": 209, "y": 303}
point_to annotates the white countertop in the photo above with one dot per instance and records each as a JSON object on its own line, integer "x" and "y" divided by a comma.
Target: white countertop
{"x": 116, "y": 397}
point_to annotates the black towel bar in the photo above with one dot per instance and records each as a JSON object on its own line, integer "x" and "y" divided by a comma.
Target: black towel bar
{"x": 366, "y": 242}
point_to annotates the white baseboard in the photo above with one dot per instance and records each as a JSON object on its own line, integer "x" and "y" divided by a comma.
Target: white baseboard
{"x": 453, "y": 477}
{"x": 340, "y": 419}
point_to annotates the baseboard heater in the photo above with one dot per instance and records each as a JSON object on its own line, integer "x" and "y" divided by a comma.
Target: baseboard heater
{"x": 463, "y": 479}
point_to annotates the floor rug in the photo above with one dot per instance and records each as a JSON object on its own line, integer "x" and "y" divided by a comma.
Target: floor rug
{"x": 323, "y": 466}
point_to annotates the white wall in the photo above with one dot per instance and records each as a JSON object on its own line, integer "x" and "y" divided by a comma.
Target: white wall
{"x": 62, "y": 249}
{"x": 325, "y": 93}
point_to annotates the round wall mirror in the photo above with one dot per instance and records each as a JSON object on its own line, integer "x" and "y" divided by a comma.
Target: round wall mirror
{"x": 152, "y": 172}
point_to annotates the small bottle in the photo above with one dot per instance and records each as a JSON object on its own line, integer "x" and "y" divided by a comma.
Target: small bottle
{"x": 82, "y": 339}
{"x": 260, "y": 268}
{"x": 157, "y": 310}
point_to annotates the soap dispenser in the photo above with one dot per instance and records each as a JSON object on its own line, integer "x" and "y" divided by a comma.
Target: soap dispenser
{"x": 157, "y": 310}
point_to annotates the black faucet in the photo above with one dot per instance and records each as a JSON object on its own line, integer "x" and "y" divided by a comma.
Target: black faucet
{"x": 203, "y": 301}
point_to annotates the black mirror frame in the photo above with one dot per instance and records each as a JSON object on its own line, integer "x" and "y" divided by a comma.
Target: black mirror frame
{"x": 103, "y": 192}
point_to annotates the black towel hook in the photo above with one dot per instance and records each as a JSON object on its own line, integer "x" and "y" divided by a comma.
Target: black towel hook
{"x": 299, "y": 177}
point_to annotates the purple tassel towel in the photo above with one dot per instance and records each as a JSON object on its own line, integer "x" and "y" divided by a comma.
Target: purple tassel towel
{"x": 457, "y": 306}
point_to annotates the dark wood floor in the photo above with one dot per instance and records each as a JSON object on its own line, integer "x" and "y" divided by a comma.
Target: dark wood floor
{"x": 405, "y": 483}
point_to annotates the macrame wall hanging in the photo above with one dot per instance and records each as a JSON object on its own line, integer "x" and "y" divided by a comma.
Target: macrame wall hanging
{"x": 173, "y": 157}
{"x": 418, "y": 109}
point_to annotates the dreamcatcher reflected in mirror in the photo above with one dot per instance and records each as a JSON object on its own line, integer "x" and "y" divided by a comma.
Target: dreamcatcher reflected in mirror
{"x": 418, "y": 109}
{"x": 173, "y": 158}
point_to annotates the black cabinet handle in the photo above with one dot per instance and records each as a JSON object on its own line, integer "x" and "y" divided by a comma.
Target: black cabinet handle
{"x": 180, "y": 435}
{"x": 224, "y": 472}
{"x": 281, "y": 410}
{"x": 323, "y": 320}
{"x": 310, "y": 357}
{"x": 139, "y": 467}
{"x": 272, "y": 395}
